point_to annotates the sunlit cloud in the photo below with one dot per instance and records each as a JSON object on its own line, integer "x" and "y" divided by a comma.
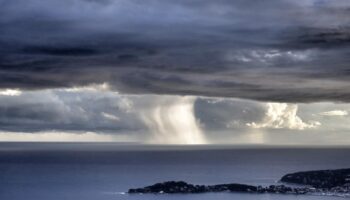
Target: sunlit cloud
{"x": 335, "y": 113}
{"x": 270, "y": 56}
{"x": 103, "y": 87}
{"x": 10, "y": 92}
{"x": 110, "y": 116}
{"x": 283, "y": 115}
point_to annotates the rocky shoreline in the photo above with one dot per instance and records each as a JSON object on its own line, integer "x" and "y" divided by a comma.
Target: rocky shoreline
{"x": 173, "y": 187}
{"x": 321, "y": 182}
{"x": 319, "y": 178}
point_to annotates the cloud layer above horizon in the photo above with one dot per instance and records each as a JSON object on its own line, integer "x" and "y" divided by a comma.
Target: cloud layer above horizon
{"x": 95, "y": 113}
{"x": 280, "y": 50}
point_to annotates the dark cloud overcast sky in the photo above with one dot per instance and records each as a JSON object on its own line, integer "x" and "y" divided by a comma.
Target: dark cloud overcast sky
{"x": 277, "y": 50}
{"x": 164, "y": 71}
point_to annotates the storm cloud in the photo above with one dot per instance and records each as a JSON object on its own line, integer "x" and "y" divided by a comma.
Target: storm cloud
{"x": 278, "y": 50}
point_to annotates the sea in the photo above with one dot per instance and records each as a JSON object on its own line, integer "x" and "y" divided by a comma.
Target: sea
{"x": 105, "y": 171}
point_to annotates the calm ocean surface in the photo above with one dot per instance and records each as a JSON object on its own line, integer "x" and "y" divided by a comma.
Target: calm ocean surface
{"x": 103, "y": 171}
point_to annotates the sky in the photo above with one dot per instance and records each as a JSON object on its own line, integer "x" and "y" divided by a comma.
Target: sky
{"x": 175, "y": 72}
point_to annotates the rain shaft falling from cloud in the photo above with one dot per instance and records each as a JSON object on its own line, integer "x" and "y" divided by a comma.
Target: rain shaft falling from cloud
{"x": 171, "y": 120}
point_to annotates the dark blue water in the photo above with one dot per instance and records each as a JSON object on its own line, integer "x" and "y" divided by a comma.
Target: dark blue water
{"x": 104, "y": 171}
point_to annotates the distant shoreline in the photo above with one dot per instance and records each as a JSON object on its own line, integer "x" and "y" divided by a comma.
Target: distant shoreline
{"x": 320, "y": 182}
